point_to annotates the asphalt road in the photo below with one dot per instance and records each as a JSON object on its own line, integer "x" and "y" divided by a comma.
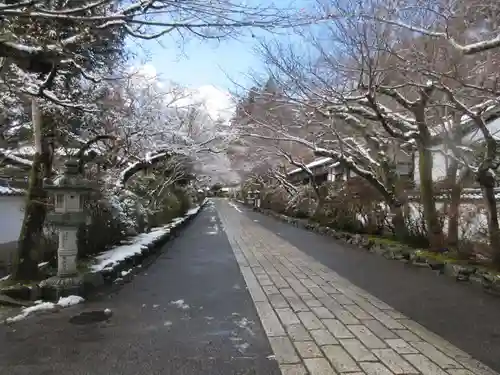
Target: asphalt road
{"x": 463, "y": 315}
{"x": 188, "y": 313}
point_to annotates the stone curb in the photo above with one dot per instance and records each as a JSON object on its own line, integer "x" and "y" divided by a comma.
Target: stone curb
{"x": 488, "y": 282}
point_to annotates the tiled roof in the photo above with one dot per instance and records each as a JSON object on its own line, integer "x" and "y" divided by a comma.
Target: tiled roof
{"x": 314, "y": 164}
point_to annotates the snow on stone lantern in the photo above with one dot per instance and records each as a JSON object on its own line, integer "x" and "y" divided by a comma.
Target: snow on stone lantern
{"x": 69, "y": 191}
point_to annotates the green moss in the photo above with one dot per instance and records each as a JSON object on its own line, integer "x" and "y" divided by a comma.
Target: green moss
{"x": 385, "y": 241}
{"x": 449, "y": 257}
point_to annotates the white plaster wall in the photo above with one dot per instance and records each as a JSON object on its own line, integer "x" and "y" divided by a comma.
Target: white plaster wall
{"x": 11, "y": 217}
{"x": 438, "y": 166}
{"x": 439, "y": 160}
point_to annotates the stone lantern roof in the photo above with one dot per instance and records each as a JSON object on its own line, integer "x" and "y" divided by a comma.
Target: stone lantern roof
{"x": 71, "y": 180}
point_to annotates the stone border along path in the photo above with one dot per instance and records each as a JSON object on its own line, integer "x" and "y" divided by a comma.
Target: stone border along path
{"x": 319, "y": 323}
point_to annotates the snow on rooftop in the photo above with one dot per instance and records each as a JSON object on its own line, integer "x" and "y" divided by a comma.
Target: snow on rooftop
{"x": 9, "y": 191}
{"x": 314, "y": 164}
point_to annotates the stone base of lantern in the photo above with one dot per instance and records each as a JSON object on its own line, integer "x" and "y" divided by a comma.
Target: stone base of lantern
{"x": 57, "y": 287}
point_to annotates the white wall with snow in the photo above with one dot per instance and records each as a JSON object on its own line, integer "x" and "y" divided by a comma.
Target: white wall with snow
{"x": 440, "y": 161}
{"x": 11, "y": 217}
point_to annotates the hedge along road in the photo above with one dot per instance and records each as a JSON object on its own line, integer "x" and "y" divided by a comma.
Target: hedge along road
{"x": 462, "y": 314}
{"x": 188, "y": 313}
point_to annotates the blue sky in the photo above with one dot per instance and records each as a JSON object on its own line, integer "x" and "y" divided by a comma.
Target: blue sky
{"x": 201, "y": 62}
{"x": 195, "y": 62}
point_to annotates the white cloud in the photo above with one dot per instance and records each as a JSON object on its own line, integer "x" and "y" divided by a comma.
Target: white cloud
{"x": 218, "y": 103}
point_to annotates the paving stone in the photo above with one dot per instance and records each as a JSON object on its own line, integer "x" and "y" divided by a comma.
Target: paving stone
{"x": 367, "y": 337}
{"x": 368, "y": 307}
{"x": 287, "y": 316}
{"x": 308, "y": 283}
{"x": 434, "y": 339}
{"x": 346, "y": 317}
{"x": 394, "y": 361}
{"x": 375, "y": 368}
{"x": 264, "y": 280}
{"x": 322, "y": 313}
{"x": 357, "y": 350}
{"x": 395, "y": 314}
{"x": 337, "y": 329}
{"x": 340, "y": 359}
{"x": 318, "y": 280}
{"x": 424, "y": 364}
{"x": 318, "y": 366}
{"x": 358, "y": 312}
{"x": 401, "y": 346}
{"x": 313, "y": 302}
{"x": 288, "y": 292}
{"x": 278, "y": 301}
{"x": 279, "y": 281}
{"x": 318, "y": 292}
{"x": 307, "y": 349}
{"x": 378, "y": 303}
{"x": 310, "y": 320}
{"x": 269, "y": 320}
{"x": 254, "y": 288}
{"x": 379, "y": 329}
{"x": 329, "y": 289}
{"x": 460, "y": 371}
{"x": 306, "y": 296}
{"x": 296, "y": 285}
{"x": 475, "y": 366}
{"x": 435, "y": 355}
{"x": 386, "y": 320}
{"x": 323, "y": 337}
{"x": 405, "y": 335}
{"x": 270, "y": 289}
{"x": 297, "y": 304}
{"x": 342, "y": 299}
{"x": 297, "y": 332}
{"x": 297, "y": 369}
{"x": 283, "y": 350}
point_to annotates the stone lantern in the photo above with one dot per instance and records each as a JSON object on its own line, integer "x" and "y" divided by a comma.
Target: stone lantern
{"x": 69, "y": 191}
{"x": 255, "y": 198}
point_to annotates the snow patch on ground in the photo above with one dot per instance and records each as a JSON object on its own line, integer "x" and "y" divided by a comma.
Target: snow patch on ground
{"x": 242, "y": 347}
{"x": 45, "y": 306}
{"x": 70, "y": 301}
{"x": 180, "y": 304}
{"x": 125, "y": 273}
{"x": 235, "y": 206}
{"x": 214, "y": 230}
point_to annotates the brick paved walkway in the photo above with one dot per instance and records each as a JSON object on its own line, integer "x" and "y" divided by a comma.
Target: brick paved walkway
{"x": 319, "y": 323}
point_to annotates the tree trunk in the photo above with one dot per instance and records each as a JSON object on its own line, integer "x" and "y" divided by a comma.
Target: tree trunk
{"x": 487, "y": 182}
{"x": 25, "y": 265}
{"x": 454, "y": 205}
{"x": 435, "y": 231}
{"x": 400, "y": 230}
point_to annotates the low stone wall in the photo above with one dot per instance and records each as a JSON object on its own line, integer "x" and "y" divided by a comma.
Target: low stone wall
{"x": 488, "y": 281}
